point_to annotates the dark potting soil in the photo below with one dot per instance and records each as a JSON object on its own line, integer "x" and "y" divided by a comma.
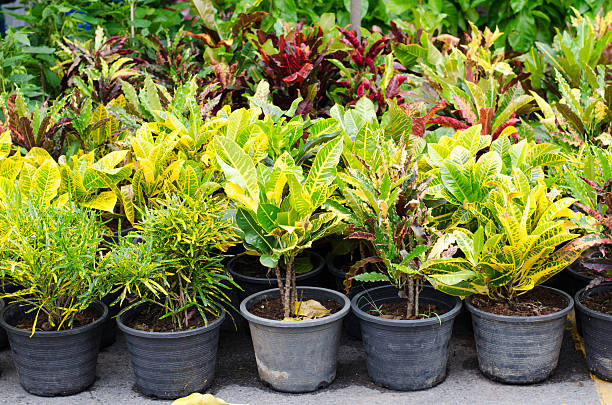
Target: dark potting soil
{"x": 536, "y": 302}
{"x": 599, "y": 302}
{"x": 43, "y": 325}
{"x": 248, "y": 265}
{"x": 148, "y": 321}
{"x": 399, "y": 310}
{"x": 272, "y": 308}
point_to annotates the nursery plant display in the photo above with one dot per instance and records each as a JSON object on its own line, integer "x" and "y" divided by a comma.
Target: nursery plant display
{"x": 456, "y": 154}
{"x": 169, "y": 277}
{"x": 51, "y": 254}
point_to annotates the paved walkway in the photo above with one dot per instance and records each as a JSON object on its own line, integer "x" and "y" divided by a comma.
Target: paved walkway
{"x": 237, "y": 380}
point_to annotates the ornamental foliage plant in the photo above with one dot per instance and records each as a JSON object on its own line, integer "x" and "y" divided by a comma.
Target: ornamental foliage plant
{"x": 51, "y": 255}
{"x": 280, "y": 211}
{"x": 385, "y": 201}
{"x": 524, "y": 235}
{"x": 172, "y": 264}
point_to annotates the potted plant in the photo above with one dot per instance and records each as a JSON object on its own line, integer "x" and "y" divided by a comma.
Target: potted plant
{"x": 170, "y": 277}
{"x": 590, "y": 181}
{"x": 405, "y": 326}
{"x": 55, "y": 315}
{"x": 295, "y": 330}
{"x": 594, "y": 302}
{"x": 523, "y": 238}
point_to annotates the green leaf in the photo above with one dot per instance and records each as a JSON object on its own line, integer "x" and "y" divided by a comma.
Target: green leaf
{"x": 371, "y": 277}
{"x": 252, "y": 233}
{"x": 266, "y": 216}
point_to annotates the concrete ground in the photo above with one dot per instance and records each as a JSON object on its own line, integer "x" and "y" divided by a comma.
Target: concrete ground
{"x": 237, "y": 381}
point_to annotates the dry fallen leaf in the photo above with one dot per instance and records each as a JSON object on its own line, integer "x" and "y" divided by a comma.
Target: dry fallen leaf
{"x": 201, "y": 399}
{"x": 310, "y": 309}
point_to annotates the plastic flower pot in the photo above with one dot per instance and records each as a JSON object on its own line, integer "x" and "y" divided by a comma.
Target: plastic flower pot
{"x": 597, "y": 333}
{"x": 296, "y": 356}
{"x": 405, "y": 355}
{"x": 519, "y": 349}
{"x": 3, "y": 336}
{"x": 58, "y": 362}
{"x": 169, "y": 365}
{"x": 251, "y": 285}
{"x": 109, "y": 328}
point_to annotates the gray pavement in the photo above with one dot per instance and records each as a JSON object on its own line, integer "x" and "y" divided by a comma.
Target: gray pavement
{"x": 237, "y": 381}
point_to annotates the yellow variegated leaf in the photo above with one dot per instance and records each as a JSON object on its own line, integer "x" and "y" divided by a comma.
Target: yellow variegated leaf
{"x": 105, "y": 201}
{"x": 45, "y": 183}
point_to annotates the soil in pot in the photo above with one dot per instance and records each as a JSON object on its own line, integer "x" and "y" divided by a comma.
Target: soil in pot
{"x": 539, "y": 301}
{"x": 601, "y": 302}
{"x": 399, "y": 310}
{"x": 148, "y": 321}
{"x": 272, "y": 308}
{"x": 42, "y": 323}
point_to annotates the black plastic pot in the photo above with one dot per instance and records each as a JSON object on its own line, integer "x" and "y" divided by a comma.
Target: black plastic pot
{"x": 4, "y": 343}
{"x": 519, "y": 349}
{"x": 169, "y": 365}
{"x": 251, "y": 285}
{"x": 54, "y": 363}
{"x": 109, "y": 328}
{"x": 597, "y": 334}
{"x": 406, "y": 355}
{"x": 334, "y": 265}
{"x": 114, "y": 238}
{"x": 296, "y": 356}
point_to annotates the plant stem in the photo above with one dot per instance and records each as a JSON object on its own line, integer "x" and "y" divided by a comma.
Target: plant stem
{"x": 416, "y": 298}
{"x": 410, "y": 296}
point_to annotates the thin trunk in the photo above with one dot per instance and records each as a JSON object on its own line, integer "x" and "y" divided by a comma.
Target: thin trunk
{"x": 132, "y": 6}
{"x": 292, "y": 284}
{"x": 416, "y": 298}
{"x": 282, "y": 288}
{"x": 356, "y": 17}
{"x": 410, "y": 297}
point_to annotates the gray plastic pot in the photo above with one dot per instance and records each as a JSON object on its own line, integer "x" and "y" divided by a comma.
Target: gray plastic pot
{"x": 296, "y": 356}
{"x": 597, "y": 334}
{"x": 405, "y": 355}
{"x": 519, "y": 349}
{"x": 251, "y": 285}
{"x": 54, "y": 363}
{"x": 169, "y": 365}
{"x": 4, "y": 343}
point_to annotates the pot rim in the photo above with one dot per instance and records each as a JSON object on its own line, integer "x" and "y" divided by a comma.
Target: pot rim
{"x": 587, "y": 310}
{"x": 295, "y": 324}
{"x": 167, "y": 335}
{"x": 266, "y": 280}
{"x": 571, "y": 269}
{"x": 44, "y": 334}
{"x": 525, "y": 319}
{"x": 361, "y": 314}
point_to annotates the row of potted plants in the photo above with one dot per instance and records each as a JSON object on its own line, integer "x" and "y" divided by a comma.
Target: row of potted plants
{"x": 464, "y": 215}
